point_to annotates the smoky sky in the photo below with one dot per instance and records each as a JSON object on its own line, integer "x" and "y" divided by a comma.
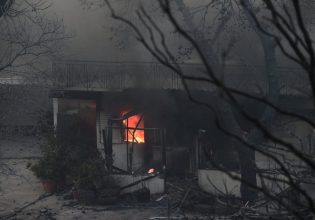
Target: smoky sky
{"x": 91, "y": 33}
{"x": 93, "y": 38}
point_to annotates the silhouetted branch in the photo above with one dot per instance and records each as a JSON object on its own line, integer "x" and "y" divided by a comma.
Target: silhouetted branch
{"x": 160, "y": 51}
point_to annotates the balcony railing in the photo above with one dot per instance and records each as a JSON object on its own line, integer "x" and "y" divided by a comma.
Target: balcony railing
{"x": 110, "y": 76}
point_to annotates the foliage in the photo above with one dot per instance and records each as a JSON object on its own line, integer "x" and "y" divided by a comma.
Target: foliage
{"x": 70, "y": 156}
{"x": 52, "y": 165}
{"x": 90, "y": 174}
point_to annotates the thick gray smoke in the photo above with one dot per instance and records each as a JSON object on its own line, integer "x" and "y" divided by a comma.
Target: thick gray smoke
{"x": 99, "y": 37}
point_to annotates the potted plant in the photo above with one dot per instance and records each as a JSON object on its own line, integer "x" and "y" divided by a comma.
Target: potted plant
{"x": 50, "y": 169}
{"x": 47, "y": 172}
{"x": 84, "y": 189}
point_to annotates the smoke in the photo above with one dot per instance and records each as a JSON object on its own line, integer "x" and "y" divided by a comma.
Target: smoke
{"x": 93, "y": 37}
{"x": 98, "y": 37}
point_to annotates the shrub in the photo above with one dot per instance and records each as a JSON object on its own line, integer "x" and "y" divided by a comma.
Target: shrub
{"x": 52, "y": 165}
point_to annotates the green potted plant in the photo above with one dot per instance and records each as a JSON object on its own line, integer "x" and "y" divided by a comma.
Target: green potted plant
{"x": 50, "y": 168}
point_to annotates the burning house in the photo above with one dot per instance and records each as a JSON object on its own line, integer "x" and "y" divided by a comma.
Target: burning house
{"x": 141, "y": 120}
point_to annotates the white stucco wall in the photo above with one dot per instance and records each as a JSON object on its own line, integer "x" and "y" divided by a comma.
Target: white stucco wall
{"x": 218, "y": 182}
{"x": 155, "y": 185}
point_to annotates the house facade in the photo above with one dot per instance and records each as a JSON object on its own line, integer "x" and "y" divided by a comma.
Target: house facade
{"x": 139, "y": 117}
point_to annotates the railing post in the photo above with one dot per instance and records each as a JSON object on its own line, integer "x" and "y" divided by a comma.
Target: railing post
{"x": 67, "y": 75}
{"x": 87, "y": 76}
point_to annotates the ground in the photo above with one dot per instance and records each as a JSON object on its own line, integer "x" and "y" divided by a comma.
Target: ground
{"x": 23, "y": 198}
{"x": 20, "y": 188}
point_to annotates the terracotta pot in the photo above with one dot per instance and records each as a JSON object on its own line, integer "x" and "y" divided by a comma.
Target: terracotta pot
{"x": 75, "y": 194}
{"x": 86, "y": 197}
{"x": 49, "y": 186}
{"x": 61, "y": 184}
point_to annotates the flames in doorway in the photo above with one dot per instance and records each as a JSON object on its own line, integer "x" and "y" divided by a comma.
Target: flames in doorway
{"x": 134, "y": 130}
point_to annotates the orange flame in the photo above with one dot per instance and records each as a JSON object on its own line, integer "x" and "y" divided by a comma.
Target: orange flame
{"x": 133, "y": 135}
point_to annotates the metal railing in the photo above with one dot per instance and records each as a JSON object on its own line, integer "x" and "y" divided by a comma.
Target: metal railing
{"x": 108, "y": 76}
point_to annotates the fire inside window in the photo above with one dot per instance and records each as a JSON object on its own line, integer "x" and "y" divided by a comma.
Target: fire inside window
{"x": 132, "y": 133}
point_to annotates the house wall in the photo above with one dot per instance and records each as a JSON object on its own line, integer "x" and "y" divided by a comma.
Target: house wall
{"x": 120, "y": 156}
{"x": 220, "y": 183}
{"x": 155, "y": 185}
{"x": 298, "y": 133}
{"x": 217, "y": 182}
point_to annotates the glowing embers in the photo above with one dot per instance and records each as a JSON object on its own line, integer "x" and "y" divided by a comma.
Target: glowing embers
{"x": 151, "y": 171}
{"x": 132, "y": 133}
